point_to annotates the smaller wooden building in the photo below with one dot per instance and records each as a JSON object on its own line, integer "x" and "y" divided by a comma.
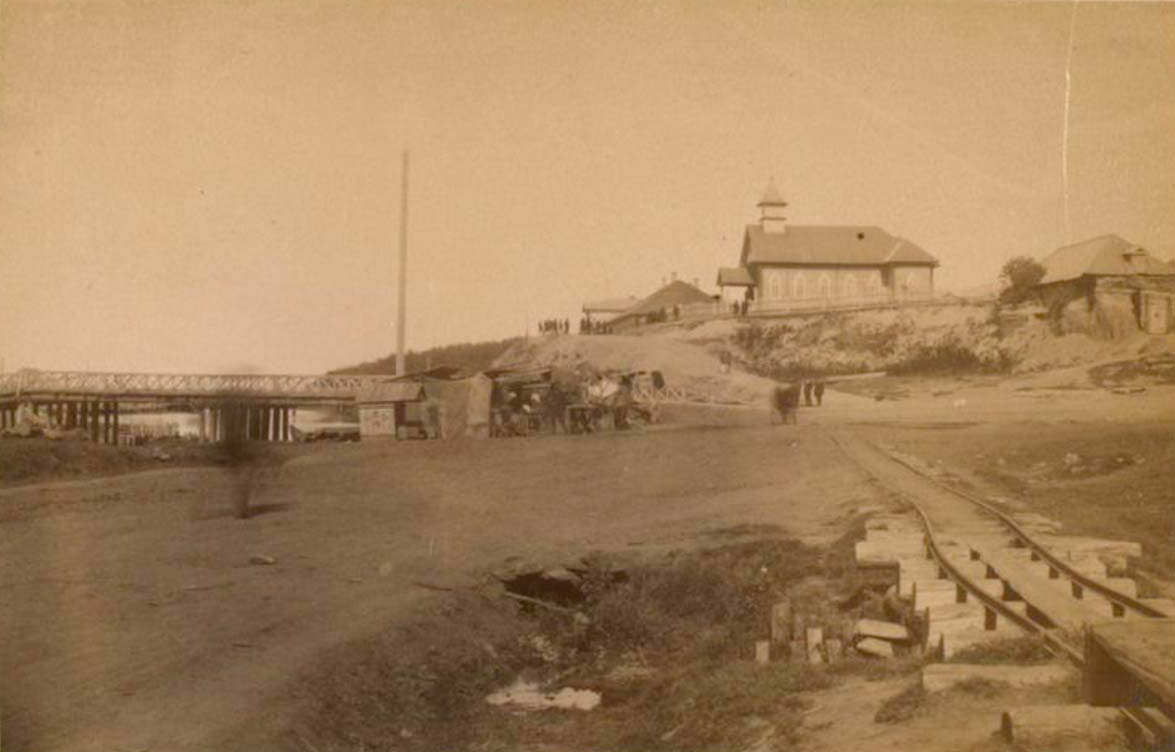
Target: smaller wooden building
{"x": 383, "y": 407}
{"x": 1110, "y": 273}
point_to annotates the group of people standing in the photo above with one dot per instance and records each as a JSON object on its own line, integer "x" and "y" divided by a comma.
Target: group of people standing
{"x": 740, "y": 307}
{"x": 786, "y": 400}
{"x": 813, "y": 388}
{"x": 555, "y": 326}
{"x": 587, "y": 326}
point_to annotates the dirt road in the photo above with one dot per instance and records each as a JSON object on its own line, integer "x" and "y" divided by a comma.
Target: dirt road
{"x": 134, "y": 620}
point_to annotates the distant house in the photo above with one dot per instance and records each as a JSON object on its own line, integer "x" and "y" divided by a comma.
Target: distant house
{"x": 1112, "y": 272}
{"x": 681, "y": 296}
{"x": 786, "y": 267}
{"x": 603, "y": 311}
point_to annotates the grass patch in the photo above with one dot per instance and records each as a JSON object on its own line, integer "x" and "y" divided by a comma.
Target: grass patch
{"x": 873, "y": 669}
{"x": 980, "y": 687}
{"x": 1024, "y": 650}
{"x": 668, "y": 648}
{"x": 902, "y": 706}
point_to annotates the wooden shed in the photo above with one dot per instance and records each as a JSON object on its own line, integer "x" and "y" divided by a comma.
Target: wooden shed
{"x": 383, "y": 407}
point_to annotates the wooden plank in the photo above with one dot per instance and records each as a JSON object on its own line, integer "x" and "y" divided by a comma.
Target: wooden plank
{"x": 1049, "y": 726}
{"x": 1062, "y": 609}
{"x": 1122, "y": 654}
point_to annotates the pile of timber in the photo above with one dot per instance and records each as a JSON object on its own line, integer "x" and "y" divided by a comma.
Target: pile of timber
{"x": 801, "y": 639}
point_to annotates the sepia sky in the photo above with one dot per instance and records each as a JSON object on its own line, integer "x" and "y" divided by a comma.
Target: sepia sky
{"x": 206, "y": 186}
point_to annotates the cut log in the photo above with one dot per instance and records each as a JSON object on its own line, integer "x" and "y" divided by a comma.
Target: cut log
{"x": 875, "y": 647}
{"x": 781, "y": 622}
{"x": 939, "y": 676}
{"x": 834, "y": 649}
{"x": 814, "y": 638}
{"x": 894, "y": 608}
{"x": 1048, "y": 726}
{"x": 883, "y": 629}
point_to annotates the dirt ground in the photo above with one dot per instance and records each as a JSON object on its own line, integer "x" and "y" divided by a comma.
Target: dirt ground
{"x": 133, "y": 618}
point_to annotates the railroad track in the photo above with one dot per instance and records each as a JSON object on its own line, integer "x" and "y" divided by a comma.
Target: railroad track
{"x": 995, "y": 561}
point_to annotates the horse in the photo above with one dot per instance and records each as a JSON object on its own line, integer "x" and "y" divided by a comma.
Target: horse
{"x": 786, "y": 400}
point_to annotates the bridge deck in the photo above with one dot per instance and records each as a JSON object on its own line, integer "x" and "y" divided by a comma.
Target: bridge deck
{"x": 163, "y": 386}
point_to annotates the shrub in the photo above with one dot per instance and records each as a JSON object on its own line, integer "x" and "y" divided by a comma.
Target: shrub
{"x": 902, "y": 706}
{"x": 1026, "y": 649}
{"x": 1019, "y": 275}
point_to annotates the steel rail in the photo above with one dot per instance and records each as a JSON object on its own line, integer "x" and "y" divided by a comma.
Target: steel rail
{"x": 1051, "y": 637}
{"x": 1156, "y": 730}
{"x": 1121, "y": 599}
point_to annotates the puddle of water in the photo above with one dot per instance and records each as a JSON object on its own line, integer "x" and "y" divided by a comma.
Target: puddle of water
{"x": 528, "y": 696}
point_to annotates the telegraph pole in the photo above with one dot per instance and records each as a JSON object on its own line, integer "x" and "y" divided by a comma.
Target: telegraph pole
{"x": 401, "y": 302}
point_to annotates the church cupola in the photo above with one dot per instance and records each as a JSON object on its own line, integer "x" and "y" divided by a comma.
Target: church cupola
{"x": 771, "y": 207}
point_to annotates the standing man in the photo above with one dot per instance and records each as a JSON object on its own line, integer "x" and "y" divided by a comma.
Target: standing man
{"x": 808, "y": 393}
{"x": 819, "y": 393}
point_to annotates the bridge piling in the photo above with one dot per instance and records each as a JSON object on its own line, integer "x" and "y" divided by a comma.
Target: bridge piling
{"x": 94, "y": 422}
{"x": 117, "y": 437}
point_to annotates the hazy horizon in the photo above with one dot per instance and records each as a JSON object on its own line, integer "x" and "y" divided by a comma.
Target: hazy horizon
{"x": 215, "y": 186}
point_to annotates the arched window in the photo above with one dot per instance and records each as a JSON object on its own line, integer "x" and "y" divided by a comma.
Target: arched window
{"x": 774, "y": 284}
{"x": 849, "y": 288}
{"x": 825, "y": 285}
{"x": 799, "y": 286}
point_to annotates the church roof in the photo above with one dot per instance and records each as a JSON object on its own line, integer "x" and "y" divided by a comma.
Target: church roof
{"x": 842, "y": 245}
{"x": 1104, "y": 255}
{"x": 735, "y": 276}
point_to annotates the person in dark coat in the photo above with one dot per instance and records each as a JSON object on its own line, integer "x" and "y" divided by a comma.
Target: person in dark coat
{"x": 556, "y": 408}
{"x": 819, "y": 392}
{"x": 808, "y": 393}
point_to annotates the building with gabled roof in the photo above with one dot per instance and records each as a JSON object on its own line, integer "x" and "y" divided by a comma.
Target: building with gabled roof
{"x": 1109, "y": 273}
{"x": 1103, "y": 256}
{"x": 677, "y": 295}
{"x": 784, "y": 267}
{"x": 608, "y": 308}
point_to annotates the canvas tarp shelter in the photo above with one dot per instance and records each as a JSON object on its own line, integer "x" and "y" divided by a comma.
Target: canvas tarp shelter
{"x": 462, "y": 405}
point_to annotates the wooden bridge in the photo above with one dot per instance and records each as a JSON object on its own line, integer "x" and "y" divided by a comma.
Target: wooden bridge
{"x": 261, "y": 406}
